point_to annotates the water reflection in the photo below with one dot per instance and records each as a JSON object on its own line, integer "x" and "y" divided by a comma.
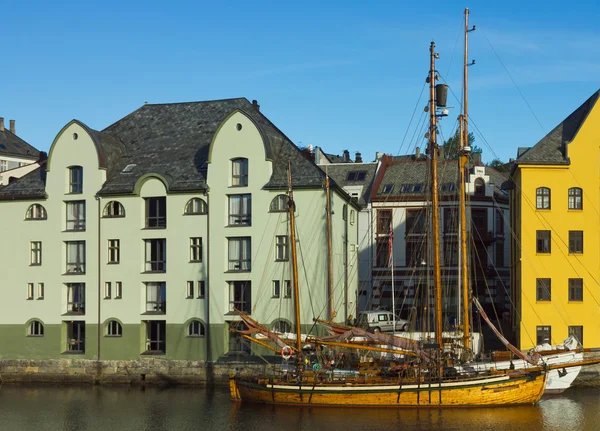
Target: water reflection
{"x": 130, "y": 408}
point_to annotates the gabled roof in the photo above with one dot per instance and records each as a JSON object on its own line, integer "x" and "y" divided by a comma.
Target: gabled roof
{"x": 12, "y": 145}
{"x": 552, "y": 148}
{"x": 340, "y": 174}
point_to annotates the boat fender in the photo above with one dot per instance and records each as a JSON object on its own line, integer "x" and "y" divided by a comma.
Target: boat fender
{"x": 286, "y": 352}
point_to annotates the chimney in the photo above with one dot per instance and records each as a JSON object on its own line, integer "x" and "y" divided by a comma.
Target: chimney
{"x": 346, "y": 157}
{"x": 417, "y": 153}
{"x": 358, "y": 157}
{"x": 12, "y": 127}
{"x": 476, "y": 158}
{"x": 378, "y": 155}
{"x": 1, "y": 124}
{"x": 256, "y": 105}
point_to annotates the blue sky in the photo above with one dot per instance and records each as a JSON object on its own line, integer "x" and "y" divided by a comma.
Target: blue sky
{"x": 337, "y": 74}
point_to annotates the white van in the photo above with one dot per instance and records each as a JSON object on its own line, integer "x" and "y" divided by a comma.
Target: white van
{"x": 380, "y": 321}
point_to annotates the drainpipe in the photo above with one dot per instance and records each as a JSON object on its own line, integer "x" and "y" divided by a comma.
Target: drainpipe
{"x": 346, "y": 264}
{"x": 97, "y": 197}
{"x": 209, "y": 368}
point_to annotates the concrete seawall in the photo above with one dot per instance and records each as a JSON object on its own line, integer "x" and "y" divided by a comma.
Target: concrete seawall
{"x": 158, "y": 372}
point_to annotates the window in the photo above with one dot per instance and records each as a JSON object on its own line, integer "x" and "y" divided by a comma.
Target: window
{"x": 76, "y": 298}
{"x": 575, "y": 289}
{"x": 384, "y": 221}
{"x": 114, "y": 329}
{"x": 276, "y": 289}
{"x": 387, "y": 189}
{"x": 543, "y": 241}
{"x": 195, "y": 249}
{"x": 287, "y": 289}
{"x": 240, "y": 296}
{"x": 500, "y": 253}
{"x": 282, "y": 248}
{"x": 499, "y": 223}
{"x": 543, "y": 289}
{"x": 35, "y": 255}
{"x": 239, "y": 250}
{"x": 240, "y": 210}
{"x": 114, "y": 254}
{"x": 575, "y": 198}
{"x": 542, "y": 198}
{"x": 3, "y": 164}
{"x": 76, "y": 336}
{"x": 345, "y": 212}
{"x": 75, "y": 257}
{"x": 107, "y": 289}
{"x": 75, "y": 179}
{"x": 239, "y": 172}
{"x": 450, "y": 220}
{"x": 36, "y": 212}
{"x": 156, "y": 213}
{"x": 40, "y": 291}
{"x": 279, "y": 204}
{"x": 577, "y": 332}
{"x": 190, "y": 290}
{"x": 356, "y": 175}
{"x": 113, "y": 209}
{"x": 156, "y": 332}
{"x": 237, "y": 343}
{"x": 479, "y": 187}
{"x": 118, "y": 290}
{"x": 416, "y": 221}
{"x": 282, "y": 326}
{"x": 415, "y": 253}
{"x": 543, "y": 335}
{"x": 75, "y": 215}
{"x": 156, "y": 297}
{"x": 35, "y": 329}
{"x": 201, "y": 289}
{"x": 575, "y": 241}
{"x": 479, "y": 218}
{"x": 352, "y": 217}
{"x": 195, "y": 329}
{"x": 156, "y": 255}
{"x": 30, "y": 287}
{"x": 383, "y": 253}
{"x": 195, "y": 206}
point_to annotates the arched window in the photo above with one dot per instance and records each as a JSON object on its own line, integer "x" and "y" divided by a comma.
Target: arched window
{"x": 75, "y": 179}
{"x": 282, "y": 326}
{"x": 279, "y": 204}
{"x": 195, "y": 329}
{"x": 195, "y": 206}
{"x": 35, "y": 329}
{"x": 36, "y": 212}
{"x": 113, "y": 209}
{"x": 114, "y": 329}
{"x": 542, "y": 198}
{"x": 575, "y": 198}
{"x": 479, "y": 187}
{"x": 239, "y": 172}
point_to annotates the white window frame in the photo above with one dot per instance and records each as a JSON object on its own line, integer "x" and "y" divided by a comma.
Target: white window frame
{"x": 107, "y": 290}
{"x": 114, "y": 251}
{"x": 40, "y": 291}
{"x": 118, "y": 289}
{"x": 282, "y": 248}
{"x": 35, "y": 258}
{"x": 239, "y": 172}
{"x": 196, "y": 249}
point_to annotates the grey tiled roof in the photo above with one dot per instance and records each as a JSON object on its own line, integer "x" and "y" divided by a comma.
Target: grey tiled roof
{"x": 173, "y": 140}
{"x": 551, "y": 149}
{"x": 29, "y": 186}
{"x": 403, "y": 176}
{"x": 339, "y": 173}
{"x": 12, "y": 145}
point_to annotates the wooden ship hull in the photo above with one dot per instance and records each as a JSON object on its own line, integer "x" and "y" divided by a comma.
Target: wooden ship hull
{"x": 502, "y": 390}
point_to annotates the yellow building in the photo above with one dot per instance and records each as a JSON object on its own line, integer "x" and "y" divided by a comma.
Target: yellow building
{"x": 555, "y": 215}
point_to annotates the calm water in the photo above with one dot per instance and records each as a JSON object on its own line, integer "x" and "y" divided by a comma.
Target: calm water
{"x": 125, "y": 408}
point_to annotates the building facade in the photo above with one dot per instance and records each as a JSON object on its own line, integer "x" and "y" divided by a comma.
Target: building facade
{"x": 17, "y": 157}
{"x": 144, "y": 238}
{"x": 554, "y": 216}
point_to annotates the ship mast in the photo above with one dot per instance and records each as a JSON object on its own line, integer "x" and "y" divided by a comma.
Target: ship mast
{"x": 292, "y": 207}
{"x": 464, "y": 149}
{"x": 432, "y": 149}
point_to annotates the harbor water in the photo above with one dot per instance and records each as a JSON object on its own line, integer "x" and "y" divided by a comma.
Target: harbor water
{"x": 74, "y": 408}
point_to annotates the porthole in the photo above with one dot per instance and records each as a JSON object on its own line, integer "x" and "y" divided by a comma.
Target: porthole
{"x": 75, "y": 136}
{"x": 238, "y": 127}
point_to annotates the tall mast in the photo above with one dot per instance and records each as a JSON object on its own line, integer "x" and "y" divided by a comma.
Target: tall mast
{"x": 329, "y": 248}
{"x": 435, "y": 216}
{"x": 462, "y": 160}
{"x": 292, "y": 207}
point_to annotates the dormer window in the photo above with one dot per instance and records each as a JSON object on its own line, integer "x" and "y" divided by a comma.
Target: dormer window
{"x": 75, "y": 179}
{"x": 387, "y": 189}
{"x": 479, "y": 187}
{"x": 356, "y": 175}
{"x": 239, "y": 172}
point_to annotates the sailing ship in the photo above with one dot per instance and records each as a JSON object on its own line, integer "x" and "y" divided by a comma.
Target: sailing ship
{"x": 428, "y": 379}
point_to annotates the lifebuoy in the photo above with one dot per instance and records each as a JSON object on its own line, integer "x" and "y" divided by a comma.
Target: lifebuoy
{"x": 286, "y": 352}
